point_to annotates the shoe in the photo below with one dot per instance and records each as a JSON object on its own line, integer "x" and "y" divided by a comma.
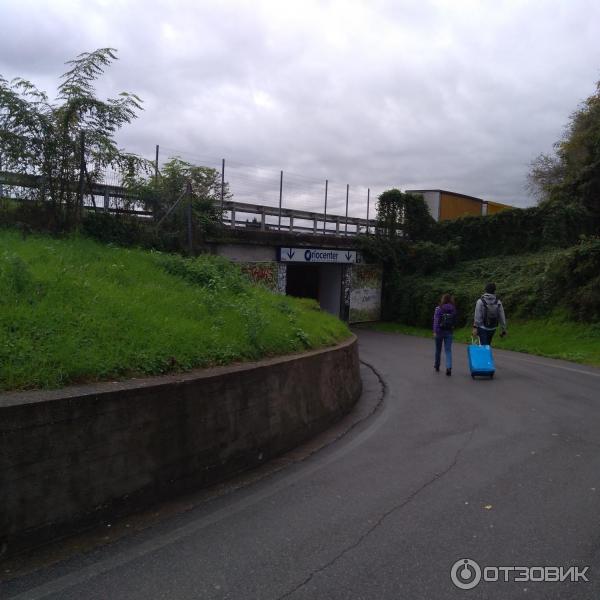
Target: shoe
{"x": 448, "y": 372}
{"x": 437, "y": 369}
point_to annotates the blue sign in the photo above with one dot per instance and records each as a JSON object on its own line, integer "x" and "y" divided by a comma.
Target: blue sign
{"x": 318, "y": 255}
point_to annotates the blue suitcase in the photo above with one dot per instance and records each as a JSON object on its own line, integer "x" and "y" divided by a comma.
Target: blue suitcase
{"x": 481, "y": 361}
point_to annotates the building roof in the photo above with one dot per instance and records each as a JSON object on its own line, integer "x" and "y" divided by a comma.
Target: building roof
{"x": 448, "y": 192}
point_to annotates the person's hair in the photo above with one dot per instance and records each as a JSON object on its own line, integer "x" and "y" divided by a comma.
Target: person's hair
{"x": 490, "y": 288}
{"x": 447, "y": 299}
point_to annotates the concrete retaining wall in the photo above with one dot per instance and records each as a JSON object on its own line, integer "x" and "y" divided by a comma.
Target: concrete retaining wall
{"x": 73, "y": 457}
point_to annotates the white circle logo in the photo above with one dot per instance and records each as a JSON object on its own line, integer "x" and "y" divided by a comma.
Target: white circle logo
{"x": 465, "y": 574}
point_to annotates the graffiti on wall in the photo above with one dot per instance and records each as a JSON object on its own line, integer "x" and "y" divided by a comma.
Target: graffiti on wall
{"x": 365, "y": 294}
{"x": 272, "y": 275}
{"x": 262, "y": 273}
{"x": 361, "y": 287}
{"x": 281, "y": 278}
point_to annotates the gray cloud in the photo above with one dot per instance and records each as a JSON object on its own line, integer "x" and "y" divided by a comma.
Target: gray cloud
{"x": 435, "y": 94}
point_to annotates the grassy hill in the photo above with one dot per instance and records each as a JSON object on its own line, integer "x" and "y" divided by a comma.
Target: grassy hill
{"x": 73, "y": 310}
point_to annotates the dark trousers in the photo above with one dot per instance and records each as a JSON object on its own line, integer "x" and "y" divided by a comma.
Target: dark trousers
{"x": 485, "y": 336}
{"x": 446, "y": 339}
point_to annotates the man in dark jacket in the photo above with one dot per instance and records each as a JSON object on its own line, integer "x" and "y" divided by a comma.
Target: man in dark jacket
{"x": 489, "y": 314}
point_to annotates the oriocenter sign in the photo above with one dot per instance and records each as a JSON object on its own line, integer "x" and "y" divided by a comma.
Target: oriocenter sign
{"x": 317, "y": 255}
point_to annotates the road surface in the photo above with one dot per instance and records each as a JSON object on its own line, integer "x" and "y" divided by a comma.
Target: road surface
{"x": 503, "y": 472}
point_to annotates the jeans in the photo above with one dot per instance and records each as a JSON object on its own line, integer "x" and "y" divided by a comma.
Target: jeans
{"x": 485, "y": 336}
{"x": 446, "y": 339}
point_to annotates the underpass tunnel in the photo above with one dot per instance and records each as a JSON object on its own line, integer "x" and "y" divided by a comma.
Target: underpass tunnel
{"x": 322, "y": 282}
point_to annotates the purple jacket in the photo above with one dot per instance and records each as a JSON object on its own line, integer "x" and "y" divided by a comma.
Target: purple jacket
{"x": 438, "y": 312}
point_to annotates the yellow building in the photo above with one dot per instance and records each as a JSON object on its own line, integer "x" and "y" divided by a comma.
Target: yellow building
{"x": 495, "y": 207}
{"x": 444, "y": 205}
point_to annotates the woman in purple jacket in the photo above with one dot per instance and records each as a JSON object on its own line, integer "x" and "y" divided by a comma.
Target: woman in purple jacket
{"x": 444, "y": 320}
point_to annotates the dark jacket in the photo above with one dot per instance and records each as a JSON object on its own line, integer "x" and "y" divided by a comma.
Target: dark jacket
{"x": 444, "y": 308}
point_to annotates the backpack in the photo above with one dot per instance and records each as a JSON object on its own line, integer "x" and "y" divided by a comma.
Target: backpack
{"x": 490, "y": 313}
{"x": 447, "y": 320}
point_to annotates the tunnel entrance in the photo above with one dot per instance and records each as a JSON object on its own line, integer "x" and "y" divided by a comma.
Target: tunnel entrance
{"x": 322, "y": 282}
{"x": 303, "y": 281}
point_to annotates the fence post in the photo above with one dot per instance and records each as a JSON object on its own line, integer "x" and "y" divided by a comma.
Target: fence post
{"x": 263, "y": 219}
{"x": 233, "y": 217}
{"x": 222, "y": 185}
{"x": 1, "y": 186}
{"x": 368, "y": 200}
{"x": 347, "y": 194}
{"x": 325, "y": 213}
{"x": 291, "y": 222}
{"x": 81, "y": 174}
{"x": 280, "y": 198}
{"x": 188, "y": 193}
{"x": 156, "y": 166}
{"x": 337, "y": 226}
{"x": 106, "y": 199}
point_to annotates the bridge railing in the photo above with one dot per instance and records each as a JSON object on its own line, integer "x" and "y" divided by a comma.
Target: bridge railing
{"x": 270, "y": 218}
{"x": 117, "y": 199}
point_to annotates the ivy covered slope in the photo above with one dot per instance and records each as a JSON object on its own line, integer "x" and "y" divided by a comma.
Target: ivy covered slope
{"x": 531, "y": 285}
{"x": 552, "y": 299}
{"x": 73, "y": 311}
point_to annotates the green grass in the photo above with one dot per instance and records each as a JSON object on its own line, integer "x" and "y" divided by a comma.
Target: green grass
{"x": 553, "y": 337}
{"x": 74, "y": 310}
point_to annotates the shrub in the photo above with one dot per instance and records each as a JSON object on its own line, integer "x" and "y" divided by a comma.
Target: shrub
{"x": 524, "y": 286}
{"x": 213, "y": 273}
{"x": 575, "y": 280}
{"x": 518, "y": 230}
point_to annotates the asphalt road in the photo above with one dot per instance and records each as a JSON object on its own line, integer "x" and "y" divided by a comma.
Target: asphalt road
{"x": 504, "y": 472}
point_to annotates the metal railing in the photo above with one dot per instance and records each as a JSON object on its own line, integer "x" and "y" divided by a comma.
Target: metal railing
{"x": 241, "y": 215}
{"x": 271, "y": 218}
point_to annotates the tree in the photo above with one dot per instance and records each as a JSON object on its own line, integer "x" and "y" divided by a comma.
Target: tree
{"x": 69, "y": 142}
{"x": 389, "y": 213}
{"x": 573, "y": 172}
{"x": 401, "y": 214}
{"x": 417, "y": 218}
{"x": 163, "y": 195}
{"x": 546, "y": 174}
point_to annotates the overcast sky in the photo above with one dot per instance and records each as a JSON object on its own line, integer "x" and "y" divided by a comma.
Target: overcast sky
{"x": 450, "y": 94}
